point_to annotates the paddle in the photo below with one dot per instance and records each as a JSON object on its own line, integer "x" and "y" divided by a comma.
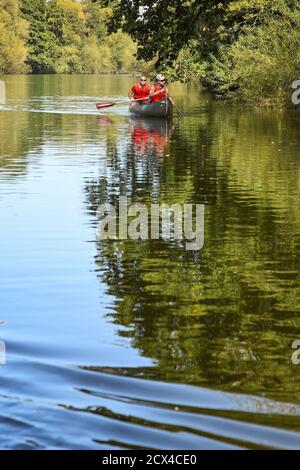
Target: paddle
{"x": 176, "y": 107}
{"x": 109, "y": 104}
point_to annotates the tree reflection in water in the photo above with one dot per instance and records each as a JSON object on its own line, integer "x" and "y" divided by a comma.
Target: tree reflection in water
{"x": 227, "y": 315}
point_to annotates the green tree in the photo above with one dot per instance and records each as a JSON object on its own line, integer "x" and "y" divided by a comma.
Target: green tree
{"x": 251, "y": 67}
{"x": 96, "y": 19}
{"x": 123, "y": 52}
{"x": 43, "y": 49}
{"x": 61, "y": 36}
{"x": 235, "y": 47}
{"x": 13, "y": 33}
{"x": 162, "y": 28}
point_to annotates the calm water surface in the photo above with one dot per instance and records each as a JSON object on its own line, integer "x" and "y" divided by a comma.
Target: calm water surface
{"x": 128, "y": 344}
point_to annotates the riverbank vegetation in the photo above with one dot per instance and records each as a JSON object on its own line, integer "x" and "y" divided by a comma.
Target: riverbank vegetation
{"x": 61, "y": 36}
{"x": 245, "y": 49}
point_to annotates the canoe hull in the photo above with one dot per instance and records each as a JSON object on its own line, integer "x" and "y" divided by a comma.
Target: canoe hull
{"x": 161, "y": 109}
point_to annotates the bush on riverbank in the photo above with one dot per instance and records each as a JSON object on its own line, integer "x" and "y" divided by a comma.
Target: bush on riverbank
{"x": 259, "y": 66}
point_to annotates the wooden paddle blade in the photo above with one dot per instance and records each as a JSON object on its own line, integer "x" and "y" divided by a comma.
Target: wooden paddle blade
{"x": 104, "y": 105}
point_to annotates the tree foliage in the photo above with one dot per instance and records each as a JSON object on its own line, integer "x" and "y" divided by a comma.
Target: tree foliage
{"x": 235, "y": 47}
{"x": 61, "y": 36}
{"x": 163, "y": 27}
{"x": 261, "y": 65}
{"x": 13, "y": 33}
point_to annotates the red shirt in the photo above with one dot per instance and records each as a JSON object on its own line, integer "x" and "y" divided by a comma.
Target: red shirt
{"x": 160, "y": 96}
{"x": 140, "y": 91}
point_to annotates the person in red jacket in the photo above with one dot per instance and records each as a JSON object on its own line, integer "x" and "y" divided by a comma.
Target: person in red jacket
{"x": 140, "y": 90}
{"x": 160, "y": 91}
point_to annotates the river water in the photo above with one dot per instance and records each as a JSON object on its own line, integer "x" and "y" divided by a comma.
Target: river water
{"x": 124, "y": 344}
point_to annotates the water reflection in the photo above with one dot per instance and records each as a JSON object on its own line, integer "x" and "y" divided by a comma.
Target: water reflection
{"x": 227, "y": 316}
{"x": 150, "y": 137}
{"x": 24, "y": 133}
{"x": 122, "y": 311}
{"x": 104, "y": 121}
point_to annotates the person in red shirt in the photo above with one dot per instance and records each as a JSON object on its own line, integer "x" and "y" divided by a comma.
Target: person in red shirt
{"x": 160, "y": 91}
{"x": 140, "y": 90}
